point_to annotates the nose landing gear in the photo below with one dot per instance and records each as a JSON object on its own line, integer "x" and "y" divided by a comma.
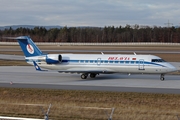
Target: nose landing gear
{"x": 162, "y": 77}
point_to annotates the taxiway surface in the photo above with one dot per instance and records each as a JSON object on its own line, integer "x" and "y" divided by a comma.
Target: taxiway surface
{"x": 28, "y": 77}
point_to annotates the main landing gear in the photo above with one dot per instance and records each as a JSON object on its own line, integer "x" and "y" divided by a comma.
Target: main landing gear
{"x": 162, "y": 77}
{"x": 85, "y": 75}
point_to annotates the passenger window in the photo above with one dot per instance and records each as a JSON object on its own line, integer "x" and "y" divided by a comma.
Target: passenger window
{"x": 121, "y": 62}
{"x": 116, "y": 61}
{"x": 106, "y": 61}
{"x": 110, "y": 61}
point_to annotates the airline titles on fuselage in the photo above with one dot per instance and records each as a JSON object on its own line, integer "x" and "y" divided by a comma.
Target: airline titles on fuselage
{"x": 120, "y": 58}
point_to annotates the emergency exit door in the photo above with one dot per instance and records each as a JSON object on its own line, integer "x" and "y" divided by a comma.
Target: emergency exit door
{"x": 141, "y": 64}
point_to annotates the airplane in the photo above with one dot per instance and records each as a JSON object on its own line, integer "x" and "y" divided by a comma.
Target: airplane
{"x": 93, "y": 64}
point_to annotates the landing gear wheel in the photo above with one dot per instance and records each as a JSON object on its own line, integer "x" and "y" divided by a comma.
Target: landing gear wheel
{"x": 162, "y": 77}
{"x": 84, "y": 76}
{"x": 92, "y": 75}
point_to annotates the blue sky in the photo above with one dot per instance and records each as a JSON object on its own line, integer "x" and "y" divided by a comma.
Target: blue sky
{"x": 98, "y": 13}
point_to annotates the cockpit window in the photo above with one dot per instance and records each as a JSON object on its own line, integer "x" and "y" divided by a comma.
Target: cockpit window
{"x": 158, "y": 60}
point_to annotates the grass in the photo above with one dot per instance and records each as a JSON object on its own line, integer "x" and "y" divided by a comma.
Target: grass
{"x": 70, "y": 105}
{"x": 89, "y": 105}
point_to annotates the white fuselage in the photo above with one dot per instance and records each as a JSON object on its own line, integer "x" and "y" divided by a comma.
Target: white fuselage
{"x": 106, "y": 63}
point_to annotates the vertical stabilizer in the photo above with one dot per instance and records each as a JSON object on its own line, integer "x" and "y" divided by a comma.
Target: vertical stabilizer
{"x": 28, "y": 46}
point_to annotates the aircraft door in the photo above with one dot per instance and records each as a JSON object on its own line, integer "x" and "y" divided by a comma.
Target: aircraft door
{"x": 99, "y": 61}
{"x": 141, "y": 64}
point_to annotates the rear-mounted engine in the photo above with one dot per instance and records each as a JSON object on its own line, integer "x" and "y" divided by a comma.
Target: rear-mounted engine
{"x": 53, "y": 59}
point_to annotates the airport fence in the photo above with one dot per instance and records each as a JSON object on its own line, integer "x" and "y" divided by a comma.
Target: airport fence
{"x": 99, "y": 44}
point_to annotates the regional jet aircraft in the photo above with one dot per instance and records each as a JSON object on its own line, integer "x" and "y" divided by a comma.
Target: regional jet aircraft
{"x": 93, "y": 64}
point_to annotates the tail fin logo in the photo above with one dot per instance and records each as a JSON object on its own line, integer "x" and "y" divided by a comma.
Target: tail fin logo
{"x": 30, "y": 49}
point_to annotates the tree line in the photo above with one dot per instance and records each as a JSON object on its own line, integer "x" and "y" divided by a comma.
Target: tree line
{"x": 97, "y": 34}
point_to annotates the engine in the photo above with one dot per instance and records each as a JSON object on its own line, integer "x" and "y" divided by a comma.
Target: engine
{"x": 53, "y": 59}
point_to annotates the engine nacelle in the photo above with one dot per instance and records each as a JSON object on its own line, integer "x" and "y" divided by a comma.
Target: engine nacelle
{"x": 53, "y": 59}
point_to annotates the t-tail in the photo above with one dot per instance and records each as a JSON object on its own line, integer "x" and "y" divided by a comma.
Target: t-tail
{"x": 28, "y": 46}
{"x": 33, "y": 53}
